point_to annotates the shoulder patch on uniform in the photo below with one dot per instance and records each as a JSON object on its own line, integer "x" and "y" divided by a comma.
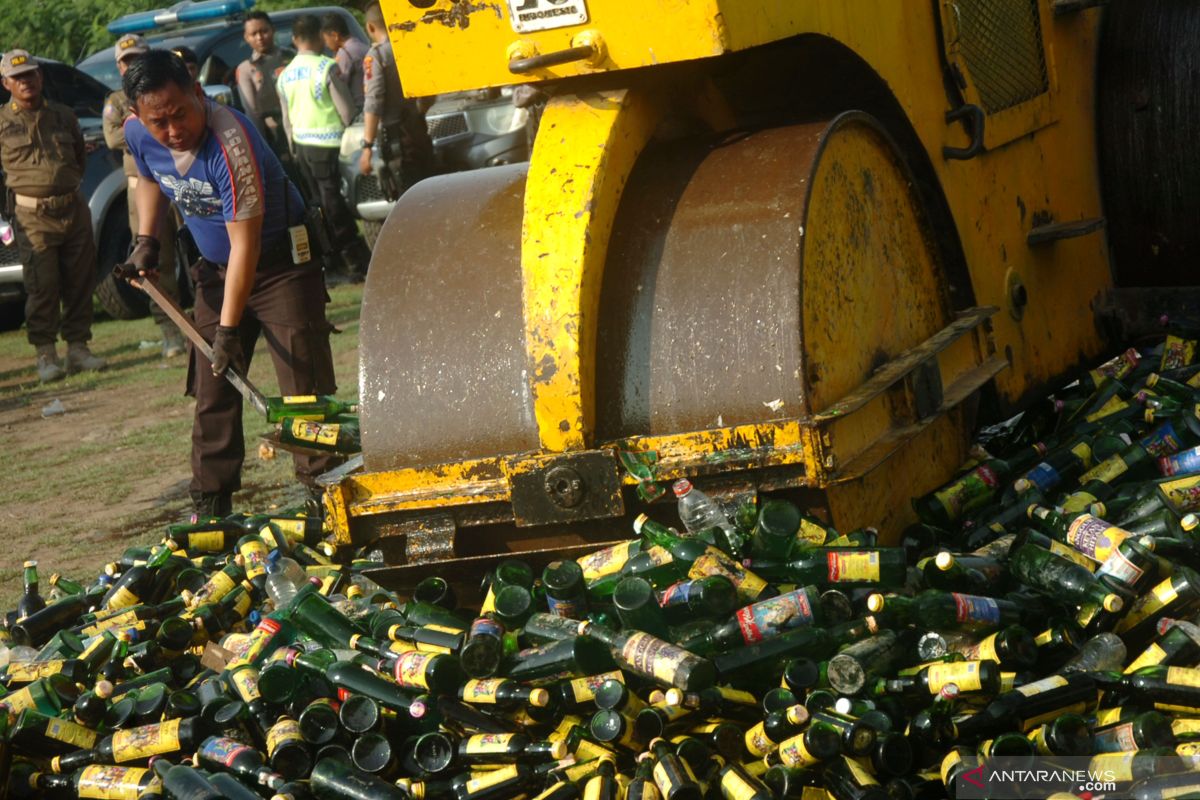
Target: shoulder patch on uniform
{"x": 368, "y": 61}
{"x": 243, "y": 169}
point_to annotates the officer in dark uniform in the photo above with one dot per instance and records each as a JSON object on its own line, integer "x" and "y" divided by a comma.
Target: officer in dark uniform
{"x": 116, "y": 110}
{"x": 43, "y": 157}
{"x": 256, "y": 78}
{"x": 389, "y": 119}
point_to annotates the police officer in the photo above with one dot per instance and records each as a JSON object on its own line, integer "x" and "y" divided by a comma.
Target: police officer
{"x": 348, "y": 52}
{"x": 256, "y": 272}
{"x": 116, "y": 110}
{"x": 388, "y": 117}
{"x": 317, "y": 107}
{"x": 256, "y": 78}
{"x": 43, "y": 157}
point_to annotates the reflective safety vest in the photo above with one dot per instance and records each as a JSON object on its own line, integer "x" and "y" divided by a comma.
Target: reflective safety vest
{"x": 304, "y": 88}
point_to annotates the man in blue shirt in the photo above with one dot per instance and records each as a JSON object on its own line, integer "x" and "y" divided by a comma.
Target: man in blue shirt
{"x": 257, "y": 272}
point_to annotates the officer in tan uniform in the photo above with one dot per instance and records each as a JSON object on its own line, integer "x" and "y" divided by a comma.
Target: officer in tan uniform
{"x": 43, "y": 157}
{"x": 256, "y": 78}
{"x": 117, "y": 109}
{"x": 389, "y": 119}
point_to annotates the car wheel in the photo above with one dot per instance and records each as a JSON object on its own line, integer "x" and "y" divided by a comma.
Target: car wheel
{"x": 371, "y": 229}
{"x": 117, "y": 297}
{"x": 12, "y": 314}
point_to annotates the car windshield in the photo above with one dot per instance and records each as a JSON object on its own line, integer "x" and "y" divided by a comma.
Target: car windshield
{"x": 103, "y": 68}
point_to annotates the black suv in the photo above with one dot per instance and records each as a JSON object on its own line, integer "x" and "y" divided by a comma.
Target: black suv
{"x": 103, "y": 186}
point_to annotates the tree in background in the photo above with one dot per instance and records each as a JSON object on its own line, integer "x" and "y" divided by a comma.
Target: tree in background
{"x": 68, "y": 31}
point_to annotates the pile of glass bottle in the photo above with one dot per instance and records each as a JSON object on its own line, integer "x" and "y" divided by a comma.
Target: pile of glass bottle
{"x": 1041, "y": 609}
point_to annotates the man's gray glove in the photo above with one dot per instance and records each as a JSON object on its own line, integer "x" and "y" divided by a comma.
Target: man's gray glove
{"x": 227, "y": 351}
{"x": 143, "y": 259}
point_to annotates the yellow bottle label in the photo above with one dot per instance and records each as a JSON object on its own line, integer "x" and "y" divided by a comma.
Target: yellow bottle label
{"x": 607, "y": 561}
{"x": 254, "y": 552}
{"x": 298, "y": 399}
{"x": 652, "y": 657}
{"x": 1182, "y": 493}
{"x": 304, "y": 430}
{"x": 794, "y": 753}
{"x": 964, "y": 674}
{"x": 206, "y": 541}
{"x": 114, "y": 621}
{"x": 1112, "y": 406}
{"x": 1106, "y": 471}
{"x": 658, "y": 556}
{"x": 30, "y": 671}
{"x": 1108, "y": 716}
{"x": 1044, "y": 638}
{"x": 748, "y": 585}
{"x": 1150, "y": 657}
{"x": 662, "y": 779}
{"x": 1044, "y": 685}
{"x": 1177, "y": 352}
{"x": 481, "y": 691}
{"x": 853, "y": 567}
{"x": 493, "y": 778}
{"x": 1183, "y": 676}
{"x": 1148, "y": 605}
{"x": 985, "y": 650}
{"x": 443, "y": 629}
{"x": 811, "y": 533}
{"x": 861, "y": 776}
{"x": 1118, "y": 765}
{"x": 583, "y": 690}
{"x": 103, "y": 782}
{"x": 71, "y": 732}
{"x": 219, "y": 585}
{"x": 410, "y": 669}
{"x": 1071, "y": 554}
{"x": 597, "y": 787}
{"x": 949, "y": 761}
{"x": 489, "y": 603}
{"x": 122, "y": 598}
{"x": 757, "y": 742}
{"x": 589, "y": 751}
{"x": 245, "y": 683}
{"x": 489, "y": 743}
{"x": 18, "y": 701}
{"x": 146, "y": 741}
{"x": 1084, "y": 453}
{"x": 735, "y": 787}
{"x": 282, "y": 732}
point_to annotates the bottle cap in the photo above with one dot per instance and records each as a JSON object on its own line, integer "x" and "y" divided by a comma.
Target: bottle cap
{"x": 797, "y": 714}
{"x": 949, "y": 691}
{"x": 875, "y": 602}
{"x": 539, "y": 698}
{"x": 673, "y": 697}
{"x": 1022, "y": 485}
{"x": 1152, "y": 379}
{"x": 55, "y": 578}
{"x": 1113, "y": 603}
{"x": 639, "y": 522}
{"x": 1189, "y": 522}
{"x": 559, "y": 749}
{"x": 681, "y": 487}
{"x": 29, "y": 564}
{"x": 103, "y": 689}
{"x": 55, "y": 766}
{"x": 944, "y": 560}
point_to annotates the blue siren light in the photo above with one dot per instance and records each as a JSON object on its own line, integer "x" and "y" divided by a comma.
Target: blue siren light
{"x": 180, "y": 12}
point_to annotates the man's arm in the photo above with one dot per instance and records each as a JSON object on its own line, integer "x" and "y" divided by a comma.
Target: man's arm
{"x": 113, "y": 124}
{"x": 342, "y": 100}
{"x": 374, "y": 91}
{"x": 151, "y": 204}
{"x": 245, "y": 245}
{"x": 245, "y": 85}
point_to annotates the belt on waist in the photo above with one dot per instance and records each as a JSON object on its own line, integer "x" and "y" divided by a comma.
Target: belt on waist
{"x": 28, "y": 201}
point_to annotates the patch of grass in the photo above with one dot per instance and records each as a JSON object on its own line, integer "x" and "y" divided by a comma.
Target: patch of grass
{"x": 114, "y": 469}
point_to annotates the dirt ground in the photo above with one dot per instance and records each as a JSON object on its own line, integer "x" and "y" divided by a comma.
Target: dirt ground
{"x": 113, "y": 470}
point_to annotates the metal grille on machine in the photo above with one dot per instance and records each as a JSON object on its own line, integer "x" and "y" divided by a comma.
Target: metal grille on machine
{"x": 446, "y": 125}
{"x": 9, "y": 255}
{"x": 369, "y": 189}
{"x": 1001, "y": 46}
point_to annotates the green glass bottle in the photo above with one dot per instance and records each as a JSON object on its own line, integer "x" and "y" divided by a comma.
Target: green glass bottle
{"x": 336, "y": 778}
{"x": 340, "y": 436}
{"x": 31, "y": 599}
{"x": 1041, "y": 569}
{"x": 775, "y": 531}
{"x": 968, "y": 492}
{"x": 839, "y": 566}
{"x": 229, "y": 755}
{"x": 1148, "y": 729}
{"x": 312, "y": 407}
{"x": 850, "y": 670}
{"x": 698, "y": 598}
{"x": 638, "y": 608}
{"x": 698, "y": 560}
{"x": 566, "y": 593}
{"x": 947, "y": 610}
{"x": 654, "y": 659}
{"x": 98, "y": 780}
{"x": 969, "y": 676}
{"x": 762, "y": 620}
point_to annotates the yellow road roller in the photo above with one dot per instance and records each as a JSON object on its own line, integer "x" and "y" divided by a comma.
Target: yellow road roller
{"x": 770, "y": 245}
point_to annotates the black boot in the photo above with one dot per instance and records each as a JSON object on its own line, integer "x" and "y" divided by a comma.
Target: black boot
{"x": 212, "y": 504}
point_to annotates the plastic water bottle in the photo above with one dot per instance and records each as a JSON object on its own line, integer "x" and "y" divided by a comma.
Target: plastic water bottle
{"x": 280, "y": 588}
{"x": 698, "y": 511}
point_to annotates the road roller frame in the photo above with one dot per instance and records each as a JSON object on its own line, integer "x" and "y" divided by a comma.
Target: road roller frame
{"x": 1016, "y": 173}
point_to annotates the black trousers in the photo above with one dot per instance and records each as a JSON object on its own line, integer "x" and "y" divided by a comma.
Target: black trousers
{"x": 59, "y": 258}
{"x": 287, "y": 306}
{"x": 320, "y": 168}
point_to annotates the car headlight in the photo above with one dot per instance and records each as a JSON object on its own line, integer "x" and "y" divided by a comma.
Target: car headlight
{"x": 350, "y": 139}
{"x": 497, "y": 119}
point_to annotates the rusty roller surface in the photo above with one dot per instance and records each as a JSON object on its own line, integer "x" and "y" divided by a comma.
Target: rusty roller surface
{"x": 442, "y": 362}
{"x": 781, "y": 265}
